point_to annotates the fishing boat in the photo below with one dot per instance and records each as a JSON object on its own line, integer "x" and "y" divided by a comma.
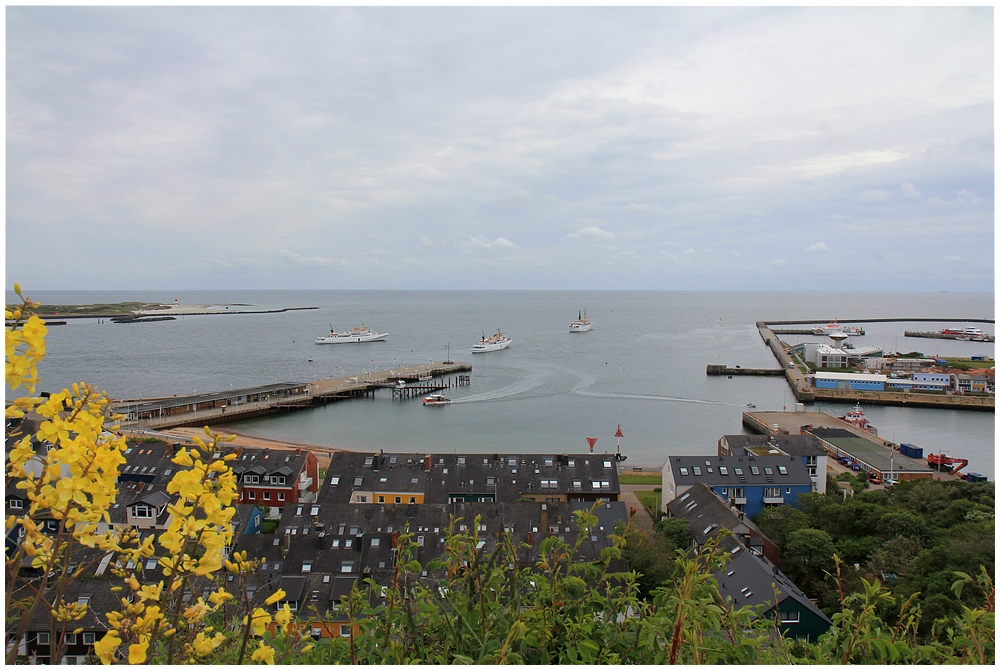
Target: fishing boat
{"x": 436, "y": 399}
{"x": 362, "y": 334}
{"x": 582, "y": 324}
{"x": 494, "y": 343}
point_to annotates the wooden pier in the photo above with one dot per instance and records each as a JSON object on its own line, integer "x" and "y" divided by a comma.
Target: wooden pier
{"x": 222, "y": 407}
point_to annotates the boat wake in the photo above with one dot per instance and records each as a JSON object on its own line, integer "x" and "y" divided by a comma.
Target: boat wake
{"x": 532, "y": 381}
{"x": 586, "y": 381}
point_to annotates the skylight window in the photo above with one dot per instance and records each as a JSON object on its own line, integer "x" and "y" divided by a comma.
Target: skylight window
{"x": 754, "y": 470}
{"x": 738, "y": 471}
{"x": 684, "y": 471}
{"x": 334, "y": 480}
{"x": 697, "y": 470}
{"x": 768, "y": 471}
{"x": 723, "y": 470}
{"x": 782, "y": 470}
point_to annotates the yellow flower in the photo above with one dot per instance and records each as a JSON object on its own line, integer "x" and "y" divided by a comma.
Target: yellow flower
{"x": 283, "y": 616}
{"x": 263, "y": 653}
{"x": 275, "y": 597}
{"x": 105, "y": 647}
{"x": 259, "y": 621}
{"x": 137, "y": 653}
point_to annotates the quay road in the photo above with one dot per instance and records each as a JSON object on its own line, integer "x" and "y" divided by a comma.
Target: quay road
{"x": 799, "y": 383}
{"x": 225, "y": 406}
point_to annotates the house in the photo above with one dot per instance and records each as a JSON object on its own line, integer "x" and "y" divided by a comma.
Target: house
{"x": 750, "y": 483}
{"x": 749, "y": 577}
{"x": 805, "y": 447}
{"x": 705, "y": 512}
{"x": 412, "y": 479}
{"x": 274, "y": 478}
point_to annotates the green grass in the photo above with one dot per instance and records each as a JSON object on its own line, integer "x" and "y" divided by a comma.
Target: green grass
{"x": 655, "y": 478}
{"x": 105, "y": 308}
{"x": 966, "y": 363}
{"x": 268, "y": 526}
{"x": 649, "y": 500}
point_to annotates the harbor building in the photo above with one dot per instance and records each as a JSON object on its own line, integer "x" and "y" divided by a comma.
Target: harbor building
{"x": 860, "y": 381}
{"x": 825, "y": 356}
{"x": 873, "y": 456}
{"x": 749, "y": 483}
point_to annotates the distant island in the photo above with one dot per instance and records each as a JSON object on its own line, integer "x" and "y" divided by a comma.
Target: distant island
{"x": 147, "y": 311}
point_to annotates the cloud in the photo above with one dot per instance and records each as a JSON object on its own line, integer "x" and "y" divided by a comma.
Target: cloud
{"x": 909, "y": 190}
{"x": 689, "y": 251}
{"x": 818, "y": 246}
{"x": 426, "y": 241}
{"x": 305, "y": 261}
{"x": 876, "y": 195}
{"x": 780, "y": 261}
{"x": 952, "y": 258}
{"x": 479, "y": 242}
{"x": 591, "y": 233}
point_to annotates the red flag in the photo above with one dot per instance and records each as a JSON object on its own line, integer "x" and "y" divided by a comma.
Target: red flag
{"x": 591, "y": 441}
{"x": 618, "y": 433}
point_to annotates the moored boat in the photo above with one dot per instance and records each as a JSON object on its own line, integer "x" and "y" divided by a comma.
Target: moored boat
{"x": 582, "y": 324}
{"x": 436, "y": 399}
{"x": 494, "y": 343}
{"x": 835, "y": 327}
{"x": 362, "y": 334}
{"x": 858, "y": 419}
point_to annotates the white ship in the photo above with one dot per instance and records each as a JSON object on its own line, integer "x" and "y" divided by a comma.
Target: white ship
{"x": 362, "y": 334}
{"x": 582, "y": 324}
{"x": 436, "y": 399}
{"x": 494, "y": 343}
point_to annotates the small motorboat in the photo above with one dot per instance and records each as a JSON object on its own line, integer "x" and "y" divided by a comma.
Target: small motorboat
{"x": 436, "y": 399}
{"x": 750, "y": 405}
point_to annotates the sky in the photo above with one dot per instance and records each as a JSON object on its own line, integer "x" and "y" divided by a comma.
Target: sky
{"x": 657, "y": 148}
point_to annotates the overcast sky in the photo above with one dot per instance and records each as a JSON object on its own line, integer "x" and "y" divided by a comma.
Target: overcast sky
{"x": 553, "y": 148}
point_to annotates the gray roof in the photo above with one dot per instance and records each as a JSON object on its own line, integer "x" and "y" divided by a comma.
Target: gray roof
{"x": 791, "y": 445}
{"x": 439, "y": 476}
{"x": 155, "y": 499}
{"x": 739, "y": 470}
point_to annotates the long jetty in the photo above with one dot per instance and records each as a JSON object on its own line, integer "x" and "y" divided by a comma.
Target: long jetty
{"x": 222, "y": 407}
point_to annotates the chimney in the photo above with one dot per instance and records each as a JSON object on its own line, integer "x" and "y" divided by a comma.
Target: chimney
{"x": 427, "y": 463}
{"x": 298, "y": 452}
{"x": 286, "y": 545}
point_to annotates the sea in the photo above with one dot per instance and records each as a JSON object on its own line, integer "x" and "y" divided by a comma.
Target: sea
{"x": 642, "y": 366}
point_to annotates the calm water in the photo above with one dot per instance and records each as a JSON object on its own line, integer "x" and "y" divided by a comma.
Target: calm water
{"x": 642, "y": 365}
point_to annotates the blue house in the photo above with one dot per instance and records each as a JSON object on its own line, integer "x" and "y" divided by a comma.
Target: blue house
{"x": 748, "y": 483}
